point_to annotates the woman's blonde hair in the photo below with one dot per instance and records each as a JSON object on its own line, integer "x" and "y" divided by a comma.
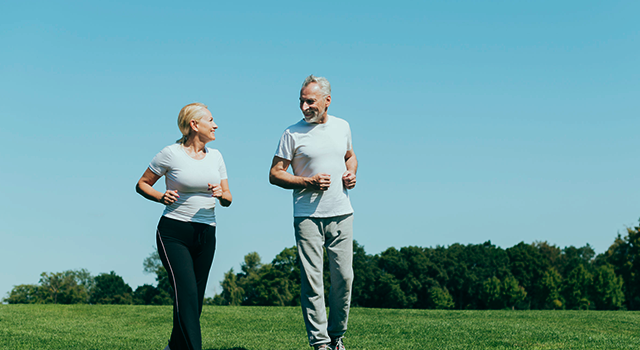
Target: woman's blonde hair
{"x": 192, "y": 111}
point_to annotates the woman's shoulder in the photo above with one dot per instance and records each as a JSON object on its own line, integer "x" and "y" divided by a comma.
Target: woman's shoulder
{"x": 171, "y": 149}
{"x": 166, "y": 156}
{"x": 214, "y": 152}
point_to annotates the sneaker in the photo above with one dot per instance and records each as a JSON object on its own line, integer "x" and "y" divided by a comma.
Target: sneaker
{"x": 336, "y": 344}
{"x": 322, "y": 347}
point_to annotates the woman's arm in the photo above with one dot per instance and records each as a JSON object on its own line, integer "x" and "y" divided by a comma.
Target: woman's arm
{"x": 145, "y": 188}
{"x": 222, "y": 192}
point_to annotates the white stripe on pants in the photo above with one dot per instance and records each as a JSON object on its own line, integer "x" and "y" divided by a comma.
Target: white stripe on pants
{"x": 336, "y": 235}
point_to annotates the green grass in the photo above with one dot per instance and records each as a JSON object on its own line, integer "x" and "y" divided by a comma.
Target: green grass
{"x": 254, "y": 328}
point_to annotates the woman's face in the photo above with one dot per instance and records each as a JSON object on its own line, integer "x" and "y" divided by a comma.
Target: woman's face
{"x": 205, "y": 128}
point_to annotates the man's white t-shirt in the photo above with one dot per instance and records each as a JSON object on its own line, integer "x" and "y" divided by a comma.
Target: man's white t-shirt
{"x": 190, "y": 177}
{"x": 318, "y": 148}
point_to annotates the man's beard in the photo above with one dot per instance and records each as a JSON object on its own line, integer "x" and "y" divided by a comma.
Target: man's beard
{"x": 315, "y": 117}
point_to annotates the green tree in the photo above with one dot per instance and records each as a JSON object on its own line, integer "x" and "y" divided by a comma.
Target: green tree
{"x": 153, "y": 265}
{"x": 527, "y": 265}
{"x": 572, "y": 257}
{"x": 512, "y": 292}
{"x": 111, "y": 289}
{"x": 61, "y": 288}
{"x": 390, "y": 293}
{"x": 607, "y": 289}
{"x": 459, "y": 281}
{"x": 550, "y": 289}
{"x": 83, "y": 278}
{"x": 624, "y": 256}
{"x": 150, "y": 295}
{"x": 480, "y": 262}
{"x": 288, "y": 263}
{"x": 270, "y": 288}
{"x": 262, "y": 284}
{"x": 249, "y": 276}
{"x": 232, "y": 293}
{"x": 217, "y": 300}
{"x": 576, "y": 288}
{"x": 396, "y": 279}
{"x": 423, "y": 274}
{"x": 440, "y": 298}
{"x": 552, "y": 255}
{"x": 491, "y": 293}
{"x": 23, "y": 294}
{"x": 366, "y": 272}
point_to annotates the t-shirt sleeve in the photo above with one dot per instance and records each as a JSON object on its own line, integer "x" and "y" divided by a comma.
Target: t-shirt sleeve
{"x": 160, "y": 163}
{"x": 222, "y": 169}
{"x": 285, "y": 146}
{"x": 349, "y": 145}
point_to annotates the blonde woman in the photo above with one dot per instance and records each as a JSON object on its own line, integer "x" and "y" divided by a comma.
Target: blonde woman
{"x": 195, "y": 176}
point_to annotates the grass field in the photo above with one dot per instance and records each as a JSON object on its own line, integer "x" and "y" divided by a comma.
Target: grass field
{"x": 255, "y": 328}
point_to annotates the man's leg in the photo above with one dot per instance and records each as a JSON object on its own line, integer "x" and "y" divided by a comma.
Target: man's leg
{"x": 339, "y": 244}
{"x": 310, "y": 240}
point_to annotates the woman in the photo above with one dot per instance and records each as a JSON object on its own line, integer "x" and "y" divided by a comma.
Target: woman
{"x": 195, "y": 176}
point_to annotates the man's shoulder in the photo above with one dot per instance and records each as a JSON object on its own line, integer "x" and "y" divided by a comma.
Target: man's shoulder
{"x": 339, "y": 122}
{"x": 300, "y": 126}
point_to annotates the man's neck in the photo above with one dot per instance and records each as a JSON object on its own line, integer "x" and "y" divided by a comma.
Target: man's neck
{"x": 323, "y": 120}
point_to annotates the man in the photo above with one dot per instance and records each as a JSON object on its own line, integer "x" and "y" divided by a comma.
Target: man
{"x": 319, "y": 150}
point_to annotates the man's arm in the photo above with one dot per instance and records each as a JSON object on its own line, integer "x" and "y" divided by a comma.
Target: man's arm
{"x": 279, "y": 176}
{"x": 349, "y": 176}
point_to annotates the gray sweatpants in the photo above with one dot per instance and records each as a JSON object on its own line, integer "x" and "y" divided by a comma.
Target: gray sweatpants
{"x": 336, "y": 235}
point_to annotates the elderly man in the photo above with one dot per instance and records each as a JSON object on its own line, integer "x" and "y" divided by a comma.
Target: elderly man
{"x": 319, "y": 150}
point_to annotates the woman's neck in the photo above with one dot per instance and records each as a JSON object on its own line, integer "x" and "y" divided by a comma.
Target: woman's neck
{"x": 195, "y": 148}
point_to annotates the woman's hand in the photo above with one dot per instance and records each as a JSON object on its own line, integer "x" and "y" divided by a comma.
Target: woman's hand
{"x": 221, "y": 191}
{"x": 145, "y": 188}
{"x": 169, "y": 197}
{"x": 216, "y": 190}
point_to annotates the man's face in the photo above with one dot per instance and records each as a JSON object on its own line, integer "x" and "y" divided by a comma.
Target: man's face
{"x": 313, "y": 104}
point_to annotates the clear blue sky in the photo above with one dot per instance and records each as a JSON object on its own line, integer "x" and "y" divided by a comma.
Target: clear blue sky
{"x": 506, "y": 121}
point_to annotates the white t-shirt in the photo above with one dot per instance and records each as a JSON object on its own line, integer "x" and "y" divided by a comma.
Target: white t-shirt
{"x": 313, "y": 149}
{"x": 190, "y": 177}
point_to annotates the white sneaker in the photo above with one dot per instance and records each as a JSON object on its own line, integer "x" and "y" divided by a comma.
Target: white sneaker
{"x": 336, "y": 344}
{"x": 322, "y": 347}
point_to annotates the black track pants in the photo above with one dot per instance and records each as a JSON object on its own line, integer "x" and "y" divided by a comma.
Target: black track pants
{"x": 186, "y": 250}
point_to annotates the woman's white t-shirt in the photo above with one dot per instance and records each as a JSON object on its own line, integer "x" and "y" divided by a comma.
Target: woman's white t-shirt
{"x": 190, "y": 177}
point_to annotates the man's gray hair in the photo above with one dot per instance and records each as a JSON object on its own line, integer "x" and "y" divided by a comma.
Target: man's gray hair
{"x": 322, "y": 82}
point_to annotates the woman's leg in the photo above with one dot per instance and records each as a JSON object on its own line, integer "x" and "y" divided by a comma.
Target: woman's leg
{"x": 184, "y": 258}
{"x": 202, "y": 261}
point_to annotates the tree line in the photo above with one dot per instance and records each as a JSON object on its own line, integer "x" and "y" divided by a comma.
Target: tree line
{"x": 474, "y": 276}
{"x": 80, "y": 287}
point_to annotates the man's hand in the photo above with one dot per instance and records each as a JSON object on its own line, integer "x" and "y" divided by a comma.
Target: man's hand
{"x": 349, "y": 179}
{"x": 319, "y": 181}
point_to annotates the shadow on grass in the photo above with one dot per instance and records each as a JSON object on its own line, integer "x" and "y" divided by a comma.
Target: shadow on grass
{"x": 229, "y": 349}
